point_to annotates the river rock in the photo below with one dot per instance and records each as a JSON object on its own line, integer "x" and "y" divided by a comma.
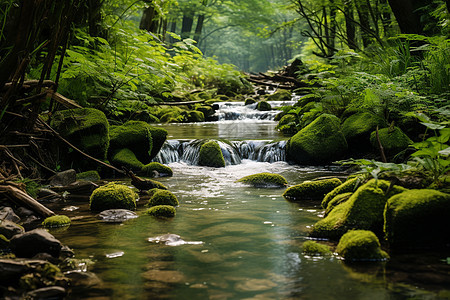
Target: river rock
{"x": 113, "y": 196}
{"x": 48, "y": 195}
{"x": 33, "y": 242}
{"x": 10, "y": 229}
{"x": 360, "y": 245}
{"x": 24, "y": 212}
{"x": 163, "y": 197}
{"x": 311, "y": 189}
{"x": 318, "y": 143}
{"x": 83, "y": 279}
{"x": 7, "y": 213}
{"x": 50, "y": 292}
{"x": 13, "y": 269}
{"x": 357, "y": 129}
{"x": 126, "y": 158}
{"x": 264, "y": 180}
{"x": 80, "y": 187}
{"x": 211, "y": 155}
{"x": 63, "y": 178}
{"x": 392, "y": 140}
{"x": 117, "y": 215}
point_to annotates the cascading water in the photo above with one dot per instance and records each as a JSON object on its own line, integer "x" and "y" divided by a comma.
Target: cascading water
{"x": 239, "y": 111}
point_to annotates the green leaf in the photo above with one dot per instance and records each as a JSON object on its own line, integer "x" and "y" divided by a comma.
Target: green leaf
{"x": 445, "y": 152}
{"x": 433, "y": 126}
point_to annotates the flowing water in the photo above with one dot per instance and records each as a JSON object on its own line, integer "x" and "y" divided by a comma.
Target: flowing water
{"x": 230, "y": 241}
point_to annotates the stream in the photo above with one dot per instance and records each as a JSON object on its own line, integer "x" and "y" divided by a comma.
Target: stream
{"x": 227, "y": 240}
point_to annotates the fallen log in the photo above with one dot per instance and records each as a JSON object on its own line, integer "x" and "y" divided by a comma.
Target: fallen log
{"x": 176, "y": 103}
{"x": 66, "y": 102}
{"x": 18, "y": 196}
{"x": 279, "y": 86}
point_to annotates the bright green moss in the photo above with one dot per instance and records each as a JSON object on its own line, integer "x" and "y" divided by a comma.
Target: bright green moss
{"x": 113, "y": 196}
{"x": 207, "y": 110}
{"x": 357, "y": 129}
{"x": 126, "y": 158}
{"x": 417, "y": 219}
{"x": 264, "y": 180}
{"x": 363, "y": 210}
{"x": 360, "y": 245}
{"x": 56, "y": 221}
{"x": 280, "y": 95}
{"x": 338, "y": 199}
{"x": 311, "y": 189}
{"x": 163, "y": 197}
{"x": 42, "y": 276}
{"x": 320, "y": 142}
{"x": 263, "y": 106}
{"x": 315, "y": 249}
{"x": 86, "y": 128}
{"x": 211, "y": 155}
{"x": 195, "y": 116}
{"x": 149, "y": 169}
{"x": 159, "y": 136}
{"x": 348, "y": 186}
{"x": 89, "y": 175}
{"x": 287, "y": 124}
{"x": 165, "y": 211}
{"x": 134, "y": 135}
{"x": 393, "y": 141}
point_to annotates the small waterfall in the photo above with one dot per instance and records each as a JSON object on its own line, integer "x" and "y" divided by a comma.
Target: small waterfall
{"x": 233, "y": 152}
{"x": 238, "y": 111}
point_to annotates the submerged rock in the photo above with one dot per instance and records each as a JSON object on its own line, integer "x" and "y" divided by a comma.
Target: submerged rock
{"x": 311, "y": 189}
{"x": 264, "y": 180}
{"x": 117, "y": 215}
{"x": 320, "y": 142}
{"x": 165, "y": 211}
{"x": 211, "y": 155}
{"x": 418, "y": 219}
{"x": 33, "y": 242}
{"x": 50, "y": 292}
{"x": 112, "y": 196}
{"x": 163, "y": 197}
{"x": 171, "y": 239}
{"x": 360, "y": 245}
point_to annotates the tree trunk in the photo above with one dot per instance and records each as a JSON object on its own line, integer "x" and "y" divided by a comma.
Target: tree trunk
{"x": 199, "y": 27}
{"x": 350, "y": 25}
{"x": 363, "y": 14}
{"x": 186, "y": 26}
{"x": 408, "y": 14}
{"x": 94, "y": 17}
{"x": 149, "y": 20}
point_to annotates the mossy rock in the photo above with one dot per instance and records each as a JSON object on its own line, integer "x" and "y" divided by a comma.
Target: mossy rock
{"x": 263, "y": 106}
{"x": 87, "y": 129}
{"x": 249, "y": 101}
{"x": 113, "y": 196}
{"x": 360, "y": 245}
{"x": 349, "y": 185}
{"x": 159, "y": 137}
{"x": 56, "y": 221}
{"x": 162, "y": 211}
{"x": 89, "y": 175}
{"x": 264, "y": 180}
{"x": 363, "y": 210}
{"x": 417, "y": 219}
{"x": 313, "y": 248}
{"x": 288, "y": 124}
{"x": 134, "y": 135}
{"x": 4, "y": 242}
{"x": 211, "y": 155}
{"x": 338, "y": 199}
{"x": 393, "y": 141}
{"x": 311, "y": 189}
{"x": 207, "y": 110}
{"x": 318, "y": 143}
{"x": 126, "y": 158}
{"x": 163, "y": 197}
{"x": 160, "y": 169}
{"x": 195, "y": 116}
{"x": 145, "y": 116}
{"x": 357, "y": 129}
{"x": 280, "y": 95}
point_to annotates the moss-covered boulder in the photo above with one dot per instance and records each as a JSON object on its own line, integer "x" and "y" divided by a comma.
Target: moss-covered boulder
{"x": 338, "y": 199}
{"x": 145, "y": 116}
{"x": 313, "y": 248}
{"x": 56, "y": 221}
{"x": 195, "y": 116}
{"x": 357, "y": 129}
{"x": 263, "y": 106}
{"x": 249, "y": 101}
{"x": 159, "y": 137}
{"x": 163, "y": 197}
{"x": 211, "y": 155}
{"x": 162, "y": 211}
{"x": 311, "y": 189}
{"x": 126, "y": 158}
{"x": 320, "y": 142}
{"x": 349, "y": 185}
{"x": 156, "y": 169}
{"x": 360, "y": 245}
{"x": 392, "y": 140}
{"x": 417, "y": 219}
{"x": 207, "y": 110}
{"x": 287, "y": 124}
{"x": 85, "y": 128}
{"x": 280, "y": 95}
{"x": 89, "y": 175}
{"x": 264, "y": 180}
{"x": 363, "y": 210}
{"x": 111, "y": 196}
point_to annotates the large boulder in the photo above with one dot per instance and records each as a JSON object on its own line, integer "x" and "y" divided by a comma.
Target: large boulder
{"x": 288, "y": 124}
{"x": 392, "y": 140}
{"x": 86, "y": 128}
{"x": 264, "y": 180}
{"x": 320, "y": 142}
{"x": 357, "y": 129}
{"x": 36, "y": 241}
{"x": 211, "y": 155}
{"x": 363, "y": 210}
{"x": 311, "y": 189}
{"x": 263, "y": 106}
{"x": 113, "y": 196}
{"x": 126, "y": 158}
{"x": 418, "y": 219}
{"x": 360, "y": 245}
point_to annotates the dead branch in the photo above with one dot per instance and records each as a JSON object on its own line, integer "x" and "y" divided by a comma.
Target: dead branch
{"x": 18, "y": 196}
{"x": 176, "y": 103}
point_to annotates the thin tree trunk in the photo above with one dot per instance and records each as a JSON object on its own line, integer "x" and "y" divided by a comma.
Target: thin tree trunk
{"x": 186, "y": 26}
